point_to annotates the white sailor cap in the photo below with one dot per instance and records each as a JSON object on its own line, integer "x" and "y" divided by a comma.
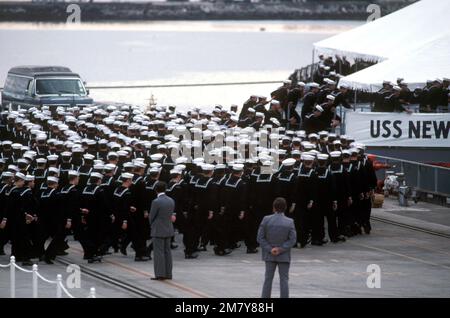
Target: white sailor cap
{"x": 175, "y": 171}
{"x": 96, "y": 175}
{"x": 73, "y": 173}
{"x": 52, "y": 179}
{"x": 313, "y": 85}
{"x": 155, "y": 165}
{"x": 13, "y": 167}
{"x": 313, "y": 135}
{"x": 259, "y": 114}
{"x": 126, "y": 175}
{"x": 52, "y": 157}
{"x": 181, "y": 160}
{"x": 346, "y": 152}
{"x": 275, "y": 121}
{"x": 337, "y": 142}
{"x": 128, "y": 165}
{"x": 322, "y": 156}
{"x": 154, "y": 170}
{"x": 238, "y": 167}
{"x": 88, "y": 156}
{"x": 323, "y": 133}
{"x": 53, "y": 169}
{"x": 98, "y": 166}
{"x": 66, "y": 154}
{"x": 156, "y": 156}
{"x": 319, "y": 108}
{"x": 21, "y": 160}
{"x": 301, "y": 84}
{"x": 198, "y": 161}
{"x": 307, "y": 157}
{"x": 234, "y": 119}
{"x": 329, "y": 81}
{"x": 140, "y": 164}
{"x": 267, "y": 163}
{"x": 331, "y": 97}
{"x": 288, "y": 162}
{"x": 354, "y": 151}
{"x": 220, "y": 166}
{"x": 335, "y": 154}
{"x": 180, "y": 167}
{"x": 7, "y": 174}
{"x": 397, "y": 88}
{"x": 29, "y": 177}
{"x": 296, "y": 152}
{"x": 109, "y": 166}
{"x": 207, "y": 167}
{"x": 16, "y": 146}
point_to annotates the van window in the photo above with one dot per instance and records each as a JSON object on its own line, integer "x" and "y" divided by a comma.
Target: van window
{"x": 16, "y": 84}
{"x": 53, "y": 86}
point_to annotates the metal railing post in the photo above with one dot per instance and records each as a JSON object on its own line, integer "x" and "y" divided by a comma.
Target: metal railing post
{"x": 12, "y": 276}
{"x": 35, "y": 281}
{"x": 435, "y": 180}
{"x": 92, "y": 293}
{"x": 58, "y": 286}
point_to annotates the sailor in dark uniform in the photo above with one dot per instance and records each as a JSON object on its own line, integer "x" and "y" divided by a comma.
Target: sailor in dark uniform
{"x": 69, "y": 204}
{"x": 261, "y": 194}
{"x": 305, "y": 199}
{"x": 204, "y": 205}
{"x": 51, "y": 218}
{"x": 309, "y": 100}
{"x": 177, "y": 190}
{"x": 5, "y": 186}
{"x": 343, "y": 191}
{"x": 124, "y": 207}
{"x": 371, "y": 181}
{"x": 17, "y": 218}
{"x": 326, "y": 205}
{"x": 93, "y": 210}
{"x": 350, "y": 163}
{"x": 65, "y": 167}
{"x": 140, "y": 216}
{"x": 232, "y": 212}
{"x": 285, "y": 183}
{"x": 85, "y": 169}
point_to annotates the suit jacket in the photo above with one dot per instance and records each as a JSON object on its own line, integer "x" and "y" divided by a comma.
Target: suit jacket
{"x": 163, "y": 207}
{"x": 277, "y": 230}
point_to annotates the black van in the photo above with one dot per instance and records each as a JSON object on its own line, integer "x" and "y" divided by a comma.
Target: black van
{"x": 36, "y": 86}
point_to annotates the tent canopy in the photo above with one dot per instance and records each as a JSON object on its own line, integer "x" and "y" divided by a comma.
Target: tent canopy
{"x": 395, "y": 34}
{"x": 428, "y": 62}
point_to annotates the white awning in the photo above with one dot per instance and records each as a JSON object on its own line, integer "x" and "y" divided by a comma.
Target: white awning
{"x": 397, "y": 33}
{"x": 426, "y": 63}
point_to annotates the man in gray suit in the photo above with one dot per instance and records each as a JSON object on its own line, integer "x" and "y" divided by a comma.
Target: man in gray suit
{"x": 276, "y": 236}
{"x": 162, "y": 215}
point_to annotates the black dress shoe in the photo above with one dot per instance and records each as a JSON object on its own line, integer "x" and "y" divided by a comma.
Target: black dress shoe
{"x": 173, "y": 246}
{"x": 95, "y": 259}
{"x": 48, "y": 261}
{"x": 317, "y": 243}
{"x": 324, "y": 241}
{"x": 62, "y": 253}
{"x": 202, "y": 248}
{"x": 141, "y": 259}
{"x": 235, "y": 246}
{"x": 158, "y": 278}
{"x": 190, "y": 256}
{"x": 252, "y": 251}
{"x": 123, "y": 250}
